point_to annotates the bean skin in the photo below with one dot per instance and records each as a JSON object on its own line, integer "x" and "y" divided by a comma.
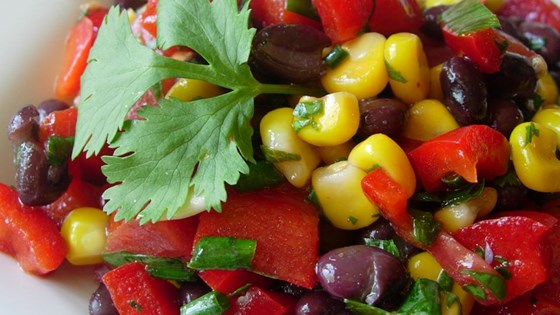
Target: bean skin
{"x": 381, "y": 115}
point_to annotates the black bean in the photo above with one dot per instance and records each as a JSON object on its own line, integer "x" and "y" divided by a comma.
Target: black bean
{"x": 23, "y": 126}
{"x": 504, "y": 115}
{"x": 37, "y": 182}
{"x": 319, "y": 303}
{"x": 101, "y": 303}
{"x": 362, "y": 273}
{"x": 382, "y": 115}
{"x": 382, "y": 230}
{"x": 130, "y": 4}
{"x": 543, "y": 39}
{"x": 432, "y": 17}
{"x": 511, "y": 197}
{"x": 516, "y": 78}
{"x": 190, "y": 291}
{"x": 464, "y": 91}
{"x": 510, "y": 25}
{"x": 290, "y": 52}
{"x": 48, "y": 106}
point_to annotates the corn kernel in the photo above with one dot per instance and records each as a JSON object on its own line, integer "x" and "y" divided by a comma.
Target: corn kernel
{"x": 436, "y": 92}
{"x": 336, "y": 153}
{"x": 363, "y": 72}
{"x": 334, "y": 119}
{"x": 381, "y": 151}
{"x": 84, "y": 232}
{"x": 338, "y": 188}
{"x": 191, "y": 89}
{"x": 407, "y": 64}
{"x": 428, "y": 119}
{"x": 278, "y": 135}
{"x": 547, "y": 89}
{"x": 455, "y": 217}
{"x": 549, "y": 115}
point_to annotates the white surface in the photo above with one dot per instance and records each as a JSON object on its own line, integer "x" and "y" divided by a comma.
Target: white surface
{"x": 32, "y": 36}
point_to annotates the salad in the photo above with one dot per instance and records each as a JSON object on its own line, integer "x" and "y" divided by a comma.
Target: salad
{"x": 298, "y": 157}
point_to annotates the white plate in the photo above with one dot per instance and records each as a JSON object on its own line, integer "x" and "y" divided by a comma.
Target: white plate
{"x": 32, "y": 34}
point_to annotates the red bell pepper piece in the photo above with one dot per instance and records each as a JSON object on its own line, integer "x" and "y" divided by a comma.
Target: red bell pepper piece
{"x": 78, "y": 45}
{"x": 393, "y": 16}
{"x": 285, "y": 227}
{"x": 60, "y": 123}
{"x": 343, "y": 20}
{"x": 527, "y": 304}
{"x": 78, "y": 194}
{"x": 543, "y": 11}
{"x": 164, "y": 238}
{"x": 551, "y": 288}
{"x": 29, "y": 235}
{"x": 474, "y": 152}
{"x": 482, "y": 47}
{"x": 272, "y": 12}
{"x": 391, "y": 198}
{"x": 134, "y": 291}
{"x": 256, "y": 301}
{"x": 518, "y": 240}
{"x": 227, "y": 281}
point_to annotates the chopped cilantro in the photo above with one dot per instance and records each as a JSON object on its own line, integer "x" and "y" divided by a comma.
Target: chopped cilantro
{"x": 135, "y": 305}
{"x": 469, "y": 16}
{"x": 532, "y": 131}
{"x": 278, "y": 156}
{"x": 386, "y": 245}
{"x": 394, "y": 74}
{"x": 424, "y": 227}
{"x": 161, "y": 267}
{"x": 59, "y": 149}
{"x": 202, "y": 144}
{"x": 304, "y": 113}
{"x": 445, "y": 281}
{"x": 353, "y": 220}
{"x": 493, "y": 283}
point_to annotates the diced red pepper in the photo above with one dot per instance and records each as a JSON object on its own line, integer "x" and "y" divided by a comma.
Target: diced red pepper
{"x": 343, "y": 20}
{"x": 482, "y": 47}
{"x": 284, "y": 225}
{"x": 393, "y": 16}
{"x": 29, "y": 235}
{"x": 272, "y": 12}
{"x": 97, "y": 15}
{"x": 78, "y": 194}
{"x": 60, "y": 123}
{"x": 134, "y": 291}
{"x": 527, "y": 304}
{"x": 78, "y": 45}
{"x": 543, "y": 11}
{"x": 474, "y": 152}
{"x": 172, "y": 238}
{"x": 227, "y": 281}
{"x": 518, "y": 240}
{"x": 551, "y": 288}
{"x": 256, "y": 301}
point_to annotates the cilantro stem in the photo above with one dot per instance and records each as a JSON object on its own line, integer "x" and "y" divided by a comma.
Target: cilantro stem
{"x": 289, "y": 89}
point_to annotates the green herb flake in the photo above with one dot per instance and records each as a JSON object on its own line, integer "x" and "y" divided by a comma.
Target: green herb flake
{"x": 531, "y": 131}
{"x": 225, "y": 253}
{"x": 360, "y": 308}
{"x": 424, "y": 227}
{"x": 212, "y": 303}
{"x": 59, "y": 149}
{"x": 352, "y": 220}
{"x": 503, "y": 267}
{"x": 510, "y": 178}
{"x": 386, "y": 245}
{"x": 424, "y": 298}
{"x": 394, "y": 74}
{"x": 495, "y": 284}
{"x": 537, "y": 42}
{"x": 469, "y": 192}
{"x": 476, "y": 291}
{"x": 153, "y": 172}
{"x": 445, "y": 281}
{"x": 261, "y": 174}
{"x": 336, "y": 56}
{"x": 451, "y": 299}
{"x": 135, "y": 306}
{"x": 160, "y": 267}
{"x": 278, "y": 156}
{"x": 304, "y": 114}
{"x": 469, "y": 16}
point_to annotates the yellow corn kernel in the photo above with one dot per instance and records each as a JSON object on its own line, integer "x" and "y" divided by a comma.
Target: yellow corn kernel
{"x": 379, "y": 150}
{"x": 428, "y": 119}
{"x": 549, "y": 116}
{"x": 191, "y": 89}
{"x": 533, "y": 152}
{"x": 547, "y": 89}
{"x": 336, "y": 153}
{"x": 278, "y": 135}
{"x": 363, "y": 72}
{"x": 465, "y": 213}
{"x": 432, "y": 3}
{"x": 436, "y": 92}
{"x": 407, "y": 65}
{"x": 330, "y": 120}
{"x": 338, "y": 188}
{"x": 84, "y": 232}
{"x": 424, "y": 265}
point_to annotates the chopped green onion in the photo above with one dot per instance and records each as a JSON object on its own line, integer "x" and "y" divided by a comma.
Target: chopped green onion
{"x": 261, "y": 174}
{"x": 278, "y": 156}
{"x": 469, "y": 16}
{"x": 302, "y": 7}
{"x": 224, "y": 253}
{"x": 336, "y": 56}
{"x": 160, "y": 267}
{"x": 59, "y": 149}
{"x": 212, "y": 303}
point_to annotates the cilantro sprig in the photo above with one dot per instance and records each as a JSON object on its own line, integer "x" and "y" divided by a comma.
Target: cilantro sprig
{"x": 202, "y": 144}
